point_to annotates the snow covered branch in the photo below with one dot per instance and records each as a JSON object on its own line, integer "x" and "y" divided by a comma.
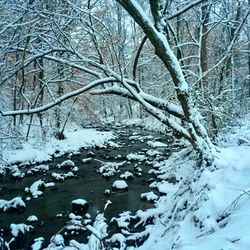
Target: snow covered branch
{"x": 60, "y": 99}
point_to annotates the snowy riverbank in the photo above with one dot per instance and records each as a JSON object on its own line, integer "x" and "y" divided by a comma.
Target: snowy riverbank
{"x": 34, "y": 151}
{"x": 199, "y": 208}
{"x": 212, "y": 212}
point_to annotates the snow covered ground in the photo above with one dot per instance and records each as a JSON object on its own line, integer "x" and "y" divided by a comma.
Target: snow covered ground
{"x": 202, "y": 209}
{"x": 213, "y": 212}
{"x": 34, "y": 151}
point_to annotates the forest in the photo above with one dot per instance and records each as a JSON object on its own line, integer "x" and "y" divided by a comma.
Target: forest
{"x": 124, "y": 124}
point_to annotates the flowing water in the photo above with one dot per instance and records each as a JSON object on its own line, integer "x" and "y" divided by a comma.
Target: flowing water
{"x": 89, "y": 185}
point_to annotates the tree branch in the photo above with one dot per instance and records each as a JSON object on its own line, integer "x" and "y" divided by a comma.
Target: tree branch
{"x": 60, "y": 99}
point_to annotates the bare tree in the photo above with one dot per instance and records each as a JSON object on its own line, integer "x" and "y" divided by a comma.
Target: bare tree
{"x": 80, "y": 39}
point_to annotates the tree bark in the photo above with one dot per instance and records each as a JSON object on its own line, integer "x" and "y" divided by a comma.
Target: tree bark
{"x": 198, "y": 134}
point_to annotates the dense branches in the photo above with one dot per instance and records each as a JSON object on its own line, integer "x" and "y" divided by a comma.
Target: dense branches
{"x": 51, "y": 52}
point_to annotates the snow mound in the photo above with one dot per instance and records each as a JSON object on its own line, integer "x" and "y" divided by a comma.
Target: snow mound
{"x": 150, "y": 196}
{"x": 79, "y": 202}
{"x": 66, "y": 164}
{"x": 110, "y": 168}
{"x": 136, "y": 157}
{"x": 127, "y": 175}
{"x": 32, "y": 218}
{"x": 16, "y": 229}
{"x": 36, "y": 188}
{"x": 120, "y": 185}
{"x": 16, "y": 203}
{"x": 156, "y": 144}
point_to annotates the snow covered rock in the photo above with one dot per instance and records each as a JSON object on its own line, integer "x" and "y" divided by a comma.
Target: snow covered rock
{"x": 120, "y": 185}
{"x": 38, "y": 243}
{"x": 86, "y": 160}
{"x": 127, "y": 175}
{"x": 156, "y": 144}
{"x": 18, "y": 229}
{"x": 36, "y": 189}
{"x": 32, "y": 218}
{"x": 57, "y": 176}
{"x": 119, "y": 240}
{"x": 123, "y": 220}
{"x": 16, "y": 204}
{"x": 62, "y": 176}
{"x": 18, "y": 232}
{"x": 110, "y": 168}
{"x": 57, "y": 242}
{"x": 75, "y": 169}
{"x": 91, "y": 154}
{"x": 16, "y": 173}
{"x": 68, "y": 164}
{"x": 79, "y": 206}
{"x": 152, "y": 152}
{"x": 37, "y": 169}
{"x": 107, "y": 192}
{"x": 136, "y": 157}
{"x": 150, "y": 196}
{"x": 138, "y": 170}
{"x": 77, "y": 245}
{"x": 75, "y": 223}
{"x": 49, "y": 184}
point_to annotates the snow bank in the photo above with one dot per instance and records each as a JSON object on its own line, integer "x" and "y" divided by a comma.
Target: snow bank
{"x": 206, "y": 208}
{"x": 35, "y": 152}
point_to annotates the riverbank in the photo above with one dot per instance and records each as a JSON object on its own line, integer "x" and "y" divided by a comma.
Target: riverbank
{"x": 37, "y": 151}
{"x": 198, "y": 207}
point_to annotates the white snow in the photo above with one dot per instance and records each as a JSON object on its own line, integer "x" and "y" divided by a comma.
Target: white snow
{"x": 210, "y": 207}
{"x": 86, "y": 160}
{"x": 107, "y": 191}
{"x": 126, "y": 175}
{"x": 19, "y": 228}
{"x": 118, "y": 237}
{"x": 32, "y": 218}
{"x": 78, "y": 246}
{"x": 152, "y": 152}
{"x": 110, "y": 168}
{"x": 136, "y": 157}
{"x": 123, "y": 219}
{"x": 35, "y": 188}
{"x": 150, "y": 196}
{"x": 156, "y": 144}
{"x": 67, "y": 163}
{"x": 38, "y": 243}
{"x": 56, "y": 241}
{"x": 75, "y": 169}
{"x": 33, "y": 151}
{"x": 49, "y": 184}
{"x": 13, "y": 203}
{"x": 40, "y": 168}
{"x": 75, "y": 222}
{"x": 79, "y": 202}
{"x": 62, "y": 176}
{"x": 99, "y": 231}
{"x": 120, "y": 184}
{"x": 206, "y": 209}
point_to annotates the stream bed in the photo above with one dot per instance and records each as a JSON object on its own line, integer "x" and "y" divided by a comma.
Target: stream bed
{"x": 133, "y": 150}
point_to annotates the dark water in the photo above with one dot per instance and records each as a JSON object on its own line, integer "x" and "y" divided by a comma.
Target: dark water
{"x": 88, "y": 184}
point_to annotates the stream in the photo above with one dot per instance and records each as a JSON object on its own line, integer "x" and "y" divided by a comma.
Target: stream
{"x": 53, "y": 207}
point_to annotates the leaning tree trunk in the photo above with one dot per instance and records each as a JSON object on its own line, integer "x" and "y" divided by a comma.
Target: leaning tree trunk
{"x": 155, "y": 33}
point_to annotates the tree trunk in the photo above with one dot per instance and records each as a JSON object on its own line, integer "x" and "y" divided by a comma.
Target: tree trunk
{"x": 198, "y": 135}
